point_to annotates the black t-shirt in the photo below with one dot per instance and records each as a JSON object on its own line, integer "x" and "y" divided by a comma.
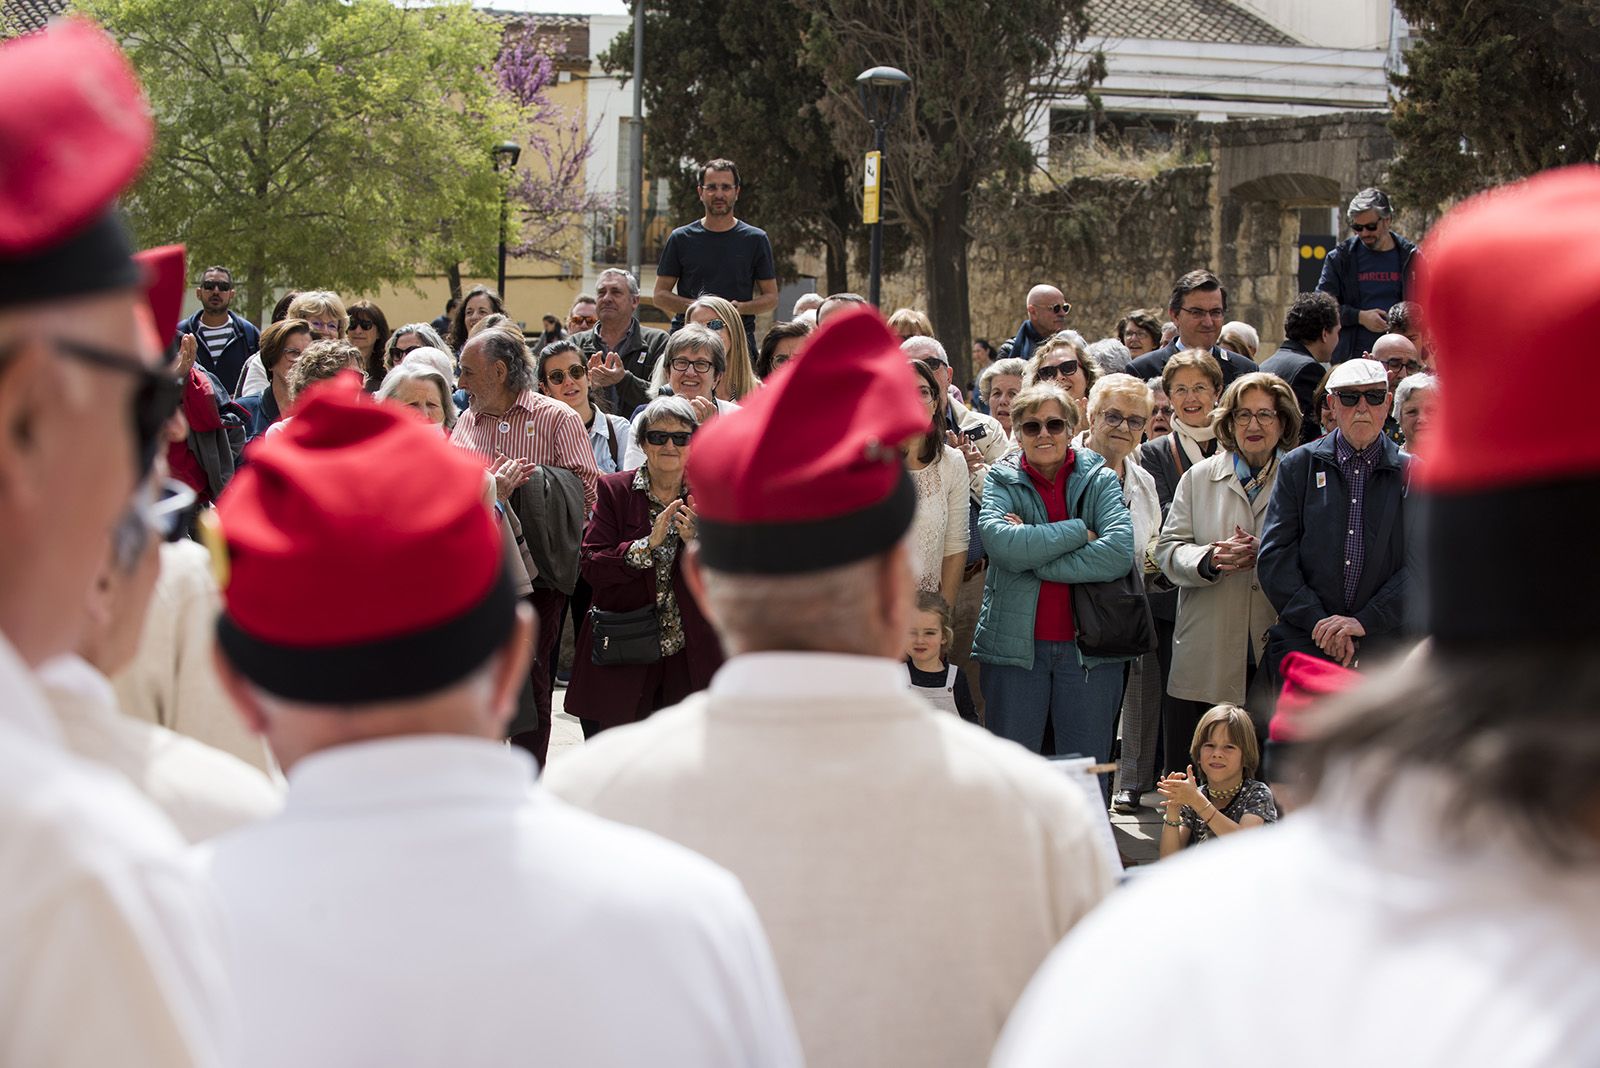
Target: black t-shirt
{"x": 725, "y": 264}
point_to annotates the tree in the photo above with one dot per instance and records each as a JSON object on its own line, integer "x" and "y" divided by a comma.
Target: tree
{"x": 1494, "y": 90}
{"x": 729, "y": 79}
{"x": 316, "y": 142}
{"x": 976, "y": 70}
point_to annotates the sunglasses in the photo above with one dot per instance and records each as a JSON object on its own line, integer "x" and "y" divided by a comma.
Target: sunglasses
{"x": 1365, "y": 228}
{"x": 1351, "y": 398}
{"x": 154, "y": 399}
{"x": 575, "y": 372}
{"x": 1396, "y": 364}
{"x": 401, "y": 352}
{"x": 582, "y": 322}
{"x": 680, "y": 438}
{"x": 362, "y": 324}
{"x": 1060, "y": 309}
{"x": 1114, "y": 419}
{"x": 1066, "y": 369}
{"x": 1054, "y": 427}
{"x": 716, "y": 324}
{"x": 214, "y": 285}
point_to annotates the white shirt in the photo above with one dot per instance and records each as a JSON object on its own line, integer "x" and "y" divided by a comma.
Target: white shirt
{"x": 1326, "y": 941}
{"x": 912, "y": 870}
{"x": 107, "y": 940}
{"x": 204, "y": 791}
{"x": 422, "y": 902}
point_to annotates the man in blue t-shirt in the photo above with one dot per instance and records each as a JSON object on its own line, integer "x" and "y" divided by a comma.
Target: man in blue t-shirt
{"x": 717, "y": 255}
{"x": 1367, "y": 274}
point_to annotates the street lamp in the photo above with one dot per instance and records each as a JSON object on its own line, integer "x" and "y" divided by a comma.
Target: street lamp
{"x": 507, "y": 153}
{"x": 882, "y": 89}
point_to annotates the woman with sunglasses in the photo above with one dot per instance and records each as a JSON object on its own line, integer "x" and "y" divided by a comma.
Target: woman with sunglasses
{"x": 1051, "y": 518}
{"x": 632, "y": 556}
{"x": 718, "y": 316}
{"x": 939, "y": 532}
{"x": 1063, "y": 359}
{"x": 1119, "y": 411}
{"x": 564, "y": 375}
{"x": 369, "y": 333}
{"x": 1208, "y": 548}
{"x": 407, "y": 339}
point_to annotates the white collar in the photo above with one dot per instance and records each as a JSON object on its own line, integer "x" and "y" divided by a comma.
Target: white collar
{"x": 804, "y": 676}
{"x": 600, "y": 429}
{"x": 415, "y": 770}
{"x": 72, "y": 674}
{"x": 24, "y": 705}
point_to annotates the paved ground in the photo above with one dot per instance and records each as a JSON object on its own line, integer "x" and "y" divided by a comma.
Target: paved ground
{"x": 1138, "y": 837}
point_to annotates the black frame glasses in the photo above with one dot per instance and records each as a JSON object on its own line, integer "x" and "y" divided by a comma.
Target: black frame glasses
{"x": 1352, "y": 397}
{"x": 1366, "y": 228}
{"x": 155, "y": 398}
{"x": 680, "y": 438}
{"x": 682, "y": 364}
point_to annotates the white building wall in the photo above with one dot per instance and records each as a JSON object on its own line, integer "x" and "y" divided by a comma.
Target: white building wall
{"x": 1359, "y": 24}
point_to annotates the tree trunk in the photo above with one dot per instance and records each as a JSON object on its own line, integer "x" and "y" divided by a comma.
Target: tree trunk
{"x": 944, "y": 273}
{"x": 453, "y": 273}
{"x": 838, "y": 268}
{"x": 257, "y": 303}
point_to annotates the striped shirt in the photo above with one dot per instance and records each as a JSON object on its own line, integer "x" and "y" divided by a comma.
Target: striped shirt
{"x": 536, "y": 430}
{"x": 215, "y": 338}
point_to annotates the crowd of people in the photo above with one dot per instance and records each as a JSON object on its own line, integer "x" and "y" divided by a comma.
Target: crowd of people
{"x": 280, "y": 622}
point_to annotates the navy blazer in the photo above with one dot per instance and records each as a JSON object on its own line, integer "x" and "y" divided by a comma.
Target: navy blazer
{"x": 1151, "y": 364}
{"x": 1301, "y": 558}
{"x": 1305, "y": 375}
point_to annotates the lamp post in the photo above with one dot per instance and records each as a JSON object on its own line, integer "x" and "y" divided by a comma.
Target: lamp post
{"x": 636, "y": 148}
{"x": 882, "y": 90}
{"x": 506, "y": 153}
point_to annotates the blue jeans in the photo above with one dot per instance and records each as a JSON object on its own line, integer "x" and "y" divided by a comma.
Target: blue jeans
{"x": 1082, "y": 704}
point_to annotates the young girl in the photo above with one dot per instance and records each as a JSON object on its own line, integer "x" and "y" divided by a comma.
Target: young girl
{"x": 1226, "y": 752}
{"x": 941, "y": 682}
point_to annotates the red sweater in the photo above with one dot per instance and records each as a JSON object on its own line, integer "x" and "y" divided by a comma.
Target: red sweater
{"x": 1052, "y": 621}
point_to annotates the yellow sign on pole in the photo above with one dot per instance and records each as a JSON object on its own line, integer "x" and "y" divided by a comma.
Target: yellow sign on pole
{"x": 874, "y": 179}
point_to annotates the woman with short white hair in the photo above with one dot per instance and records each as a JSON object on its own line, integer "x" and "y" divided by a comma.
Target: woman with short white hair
{"x": 422, "y": 389}
{"x": 1415, "y": 399}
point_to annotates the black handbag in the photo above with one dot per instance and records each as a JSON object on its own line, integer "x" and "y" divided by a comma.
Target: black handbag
{"x": 1113, "y": 618}
{"x": 631, "y": 637}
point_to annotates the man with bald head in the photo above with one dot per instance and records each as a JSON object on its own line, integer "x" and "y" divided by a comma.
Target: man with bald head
{"x": 1047, "y": 314}
{"x": 1400, "y": 360}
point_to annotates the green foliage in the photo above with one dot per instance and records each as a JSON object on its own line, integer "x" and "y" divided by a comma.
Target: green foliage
{"x": 727, "y": 78}
{"x": 1495, "y": 90}
{"x": 319, "y": 143}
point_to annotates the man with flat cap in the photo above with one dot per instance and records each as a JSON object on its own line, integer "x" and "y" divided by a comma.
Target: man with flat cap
{"x": 911, "y": 870}
{"x": 1434, "y": 905}
{"x": 421, "y": 900}
{"x": 108, "y": 943}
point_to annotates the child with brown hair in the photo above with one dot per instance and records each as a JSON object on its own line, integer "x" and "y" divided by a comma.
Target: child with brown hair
{"x": 927, "y": 658}
{"x": 1225, "y": 796}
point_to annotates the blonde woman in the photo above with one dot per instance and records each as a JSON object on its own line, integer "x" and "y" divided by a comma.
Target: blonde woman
{"x": 323, "y": 311}
{"x": 909, "y": 322}
{"x": 718, "y": 316}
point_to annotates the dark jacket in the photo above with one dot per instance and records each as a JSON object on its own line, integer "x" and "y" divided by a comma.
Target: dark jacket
{"x": 1026, "y": 341}
{"x": 1301, "y": 559}
{"x": 611, "y": 695}
{"x": 1305, "y": 374}
{"x": 262, "y": 408}
{"x": 639, "y": 353}
{"x": 1339, "y": 278}
{"x": 1151, "y": 364}
{"x": 1166, "y": 464}
{"x": 549, "y": 507}
{"x": 229, "y": 368}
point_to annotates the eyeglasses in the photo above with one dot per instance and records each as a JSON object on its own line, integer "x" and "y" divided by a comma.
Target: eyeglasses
{"x": 720, "y": 187}
{"x": 680, "y": 438}
{"x": 215, "y": 285}
{"x": 931, "y": 363}
{"x": 582, "y": 322}
{"x": 159, "y": 509}
{"x": 1116, "y": 418}
{"x": 294, "y": 354}
{"x": 1066, "y": 369}
{"x": 1206, "y": 313}
{"x": 1162, "y": 409}
{"x": 154, "y": 399}
{"x": 715, "y": 324}
{"x": 1054, "y": 427}
{"x": 1395, "y": 363}
{"x": 1242, "y": 416}
{"x": 398, "y": 351}
{"x": 362, "y": 324}
{"x": 703, "y": 367}
{"x": 1366, "y": 228}
{"x": 1201, "y": 390}
{"x": 1351, "y": 398}
{"x": 1060, "y": 309}
{"x": 318, "y": 324}
{"x": 575, "y": 372}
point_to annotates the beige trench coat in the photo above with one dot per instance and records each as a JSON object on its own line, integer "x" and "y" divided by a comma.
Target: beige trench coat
{"x": 1216, "y": 618}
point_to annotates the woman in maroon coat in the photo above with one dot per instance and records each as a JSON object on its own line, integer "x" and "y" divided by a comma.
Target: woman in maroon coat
{"x": 633, "y": 556}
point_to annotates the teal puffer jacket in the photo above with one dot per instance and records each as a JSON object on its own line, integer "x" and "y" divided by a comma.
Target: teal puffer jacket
{"x": 1020, "y": 557}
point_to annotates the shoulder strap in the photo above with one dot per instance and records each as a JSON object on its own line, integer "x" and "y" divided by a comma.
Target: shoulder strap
{"x": 611, "y": 438}
{"x": 1177, "y": 452}
{"x": 950, "y": 677}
